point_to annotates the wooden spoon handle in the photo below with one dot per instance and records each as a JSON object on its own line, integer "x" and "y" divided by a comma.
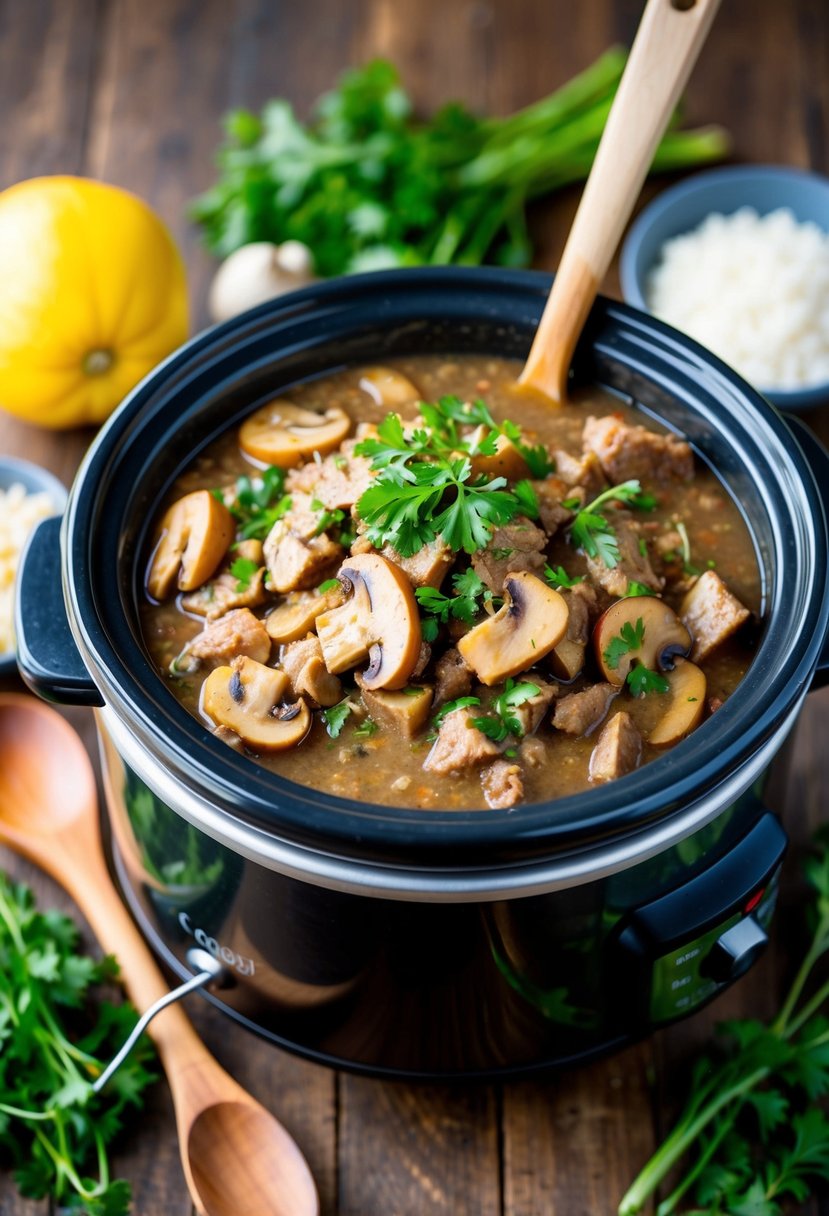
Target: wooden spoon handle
{"x": 93, "y": 891}
{"x": 667, "y": 43}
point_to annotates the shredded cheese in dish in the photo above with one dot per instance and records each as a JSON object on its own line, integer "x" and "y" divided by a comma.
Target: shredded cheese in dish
{"x": 19, "y": 513}
{"x": 754, "y": 290}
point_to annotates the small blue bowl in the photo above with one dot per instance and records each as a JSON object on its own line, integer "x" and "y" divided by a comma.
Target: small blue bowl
{"x": 35, "y": 480}
{"x": 683, "y": 207}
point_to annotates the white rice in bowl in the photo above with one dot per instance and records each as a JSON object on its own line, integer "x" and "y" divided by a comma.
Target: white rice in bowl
{"x": 753, "y": 289}
{"x": 19, "y": 513}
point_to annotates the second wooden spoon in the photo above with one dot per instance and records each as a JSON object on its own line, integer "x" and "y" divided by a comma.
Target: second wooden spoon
{"x": 668, "y": 41}
{"x": 237, "y": 1157}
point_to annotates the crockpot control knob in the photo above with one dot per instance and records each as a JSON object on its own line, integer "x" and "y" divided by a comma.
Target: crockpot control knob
{"x": 734, "y": 952}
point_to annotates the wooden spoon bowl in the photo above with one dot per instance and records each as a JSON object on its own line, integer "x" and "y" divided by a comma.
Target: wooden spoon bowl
{"x": 238, "y": 1159}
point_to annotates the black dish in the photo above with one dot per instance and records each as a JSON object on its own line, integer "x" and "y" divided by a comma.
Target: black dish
{"x": 289, "y": 834}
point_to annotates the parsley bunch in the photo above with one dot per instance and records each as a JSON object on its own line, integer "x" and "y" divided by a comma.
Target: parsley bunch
{"x": 751, "y": 1133}
{"x": 53, "y": 1044}
{"x": 425, "y": 486}
{"x": 591, "y": 531}
{"x": 365, "y": 185}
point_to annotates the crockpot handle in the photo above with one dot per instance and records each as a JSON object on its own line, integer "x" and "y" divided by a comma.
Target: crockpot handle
{"x": 817, "y": 458}
{"x": 46, "y": 652}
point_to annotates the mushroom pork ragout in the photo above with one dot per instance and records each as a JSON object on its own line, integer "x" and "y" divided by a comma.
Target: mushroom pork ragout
{"x": 410, "y": 585}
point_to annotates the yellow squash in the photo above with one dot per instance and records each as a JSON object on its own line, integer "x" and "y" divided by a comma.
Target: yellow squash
{"x": 92, "y": 296}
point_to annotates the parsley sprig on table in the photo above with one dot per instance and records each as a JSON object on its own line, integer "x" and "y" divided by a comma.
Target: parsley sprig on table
{"x": 425, "y": 487}
{"x": 471, "y": 593}
{"x": 592, "y": 532}
{"x": 54, "y": 1042}
{"x": 751, "y": 1133}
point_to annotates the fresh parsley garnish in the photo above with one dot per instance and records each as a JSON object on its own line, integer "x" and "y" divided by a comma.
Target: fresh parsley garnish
{"x": 366, "y": 729}
{"x": 451, "y": 706}
{"x": 630, "y": 637}
{"x": 243, "y": 570}
{"x": 56, "y": 1039}
{"x": 537, "y": 457}
{"x": 500, "y": 721}
{"x": 425, "y": 487}
{"x": 325, "y": 518}
{"x": 751, "y": 1133}
{"x": 642, "y": 680}
{"x": 471, "y": 593}
{"x": 257, "y": 504}
{"x": 330, "y": 584}
{"x": 558, "y": 577}
{"x": 636, "y": 589}
{"x": 335, "y": 718}
{"x": 591, "y": 531}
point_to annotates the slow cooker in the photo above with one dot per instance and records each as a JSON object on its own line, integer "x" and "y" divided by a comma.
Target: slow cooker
{"x": 434, "y": 944}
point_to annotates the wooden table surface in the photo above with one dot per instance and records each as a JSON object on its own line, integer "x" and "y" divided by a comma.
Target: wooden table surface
{"x": 132, "y": 91}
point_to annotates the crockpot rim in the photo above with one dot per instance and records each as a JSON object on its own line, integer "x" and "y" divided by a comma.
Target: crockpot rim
{"x": 353, "y": 827}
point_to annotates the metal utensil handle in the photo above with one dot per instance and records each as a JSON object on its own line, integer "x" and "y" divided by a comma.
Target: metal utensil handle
{"x": 209, "y": 969}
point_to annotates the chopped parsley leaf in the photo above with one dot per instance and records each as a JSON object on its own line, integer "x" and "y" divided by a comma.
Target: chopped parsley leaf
{"x": 330, "y": 584}
{"x": 335, "y": 717}
{"x": 559, "y": 577}
{"x": 642, "y": 680}
{"x": 451, "y": 706}
{"x": 366, "y": 729}
{"x": 471, "y": 595}
{"x": 243, "y": 569}
{"x": 500, "y": 721}
{"x": 630, "y": 637}
{"x": 636, "y": 589}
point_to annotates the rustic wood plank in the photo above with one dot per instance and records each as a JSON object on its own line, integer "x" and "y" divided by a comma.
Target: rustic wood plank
{"x": 573, "y": 1142}
{"x": 155, "y": 84}
{"x": 47, "y": 66}
{"x": 410, "y": 1149}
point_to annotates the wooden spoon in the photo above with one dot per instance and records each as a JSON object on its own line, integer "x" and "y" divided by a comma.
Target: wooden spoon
{"x": 238, "y": 1159}
{"x": 667, "y": 43}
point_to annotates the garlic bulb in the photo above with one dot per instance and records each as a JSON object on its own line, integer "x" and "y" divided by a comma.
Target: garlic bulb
{"x": 258, "y": 272}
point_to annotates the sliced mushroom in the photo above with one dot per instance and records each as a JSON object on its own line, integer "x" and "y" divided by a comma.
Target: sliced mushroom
{"x": 685, "y": 705}
{"x": 294, "y": 618}
{"x": 388, "y": 387}
{"x": 664, "y": 638}
{"x": 284, "y": 434}
{"x": 406, "y": 712}
{"x": 506, "y": 461}
{"x": 531, "y": 622}
{"x": 248, "y": 698}
{"x": 192, "y": 538}
{"x": 379, "y": 621}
